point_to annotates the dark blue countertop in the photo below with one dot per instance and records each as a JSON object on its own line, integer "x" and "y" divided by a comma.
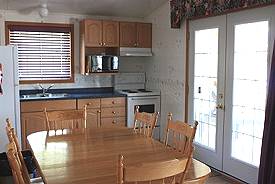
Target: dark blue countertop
{"x": 73, "y": 93}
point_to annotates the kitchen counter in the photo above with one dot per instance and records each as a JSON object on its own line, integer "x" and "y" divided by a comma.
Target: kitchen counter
{"x": 73, "y": 93}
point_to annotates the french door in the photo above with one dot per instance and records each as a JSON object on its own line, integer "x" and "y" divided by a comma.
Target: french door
{"x": 229, "y": 67}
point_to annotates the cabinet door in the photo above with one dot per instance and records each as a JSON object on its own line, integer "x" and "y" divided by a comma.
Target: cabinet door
{"x": 110, "y": 34}
{"x": 93, "y": 33}
{"x": 144, "y": 35}
{"x": 93, "y": 118}
{"x": 128, "y": 34}
{"x": 30, "y": 123}
{"x": 93, "y": 111}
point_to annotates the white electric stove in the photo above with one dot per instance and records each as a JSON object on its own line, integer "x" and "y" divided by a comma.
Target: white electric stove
{"x": 147, "y": 100}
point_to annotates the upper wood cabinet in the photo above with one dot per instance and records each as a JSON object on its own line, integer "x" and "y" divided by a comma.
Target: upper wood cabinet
{"x": 135, "y": 34}
{"x": 128, "y": 34}
{"x": 101, "y": 33}
{"x": 144, "y": 35}
{"x": 93, "y": 33}
{"x": 110, "y": 34}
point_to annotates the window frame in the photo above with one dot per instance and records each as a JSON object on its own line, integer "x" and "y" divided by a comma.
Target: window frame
{"x": 27, "y": 26}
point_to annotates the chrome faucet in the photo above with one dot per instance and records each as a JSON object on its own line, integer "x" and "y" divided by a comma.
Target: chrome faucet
{"x": 44, "y": 90}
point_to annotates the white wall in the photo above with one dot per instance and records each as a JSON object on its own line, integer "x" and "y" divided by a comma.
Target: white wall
{"x": 135, "y": 64}
{"x": 165, "y": 70}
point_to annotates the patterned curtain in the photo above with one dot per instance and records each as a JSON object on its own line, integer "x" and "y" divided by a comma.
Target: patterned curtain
{"x": 181, "y": 9}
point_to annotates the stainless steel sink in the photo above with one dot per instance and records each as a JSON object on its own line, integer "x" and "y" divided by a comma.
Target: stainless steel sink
{"x": 45, "y": 95}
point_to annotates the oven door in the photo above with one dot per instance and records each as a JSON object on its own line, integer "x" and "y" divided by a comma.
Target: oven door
{"x": 148, "y": 104}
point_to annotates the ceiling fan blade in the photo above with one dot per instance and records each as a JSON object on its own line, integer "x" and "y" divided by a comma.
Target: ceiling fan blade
{"x": 28, "y": 10}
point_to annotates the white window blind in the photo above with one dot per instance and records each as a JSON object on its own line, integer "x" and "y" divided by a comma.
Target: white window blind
{"x": 43, "y": 55}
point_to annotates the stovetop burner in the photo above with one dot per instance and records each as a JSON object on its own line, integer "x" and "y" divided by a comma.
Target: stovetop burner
{"x": 139, "y": 92}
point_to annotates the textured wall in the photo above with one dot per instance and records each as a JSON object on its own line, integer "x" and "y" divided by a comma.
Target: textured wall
{"x": 165, "y": 70}
{"x": 127, "y": 64}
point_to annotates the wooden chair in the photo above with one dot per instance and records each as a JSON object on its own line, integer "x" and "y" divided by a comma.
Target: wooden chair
{"x": 69, "y": 119}
{"x": 15, "y": 165}
{"x": 201, "y": 180}
{"x": 12, "y": 137}
{"x": 14, "y": 144}
{"x": 182, "y": 135}
{"x": 163, "y": 172}
{"x": 144, "y": 122}
{"x": 17, "y": 168}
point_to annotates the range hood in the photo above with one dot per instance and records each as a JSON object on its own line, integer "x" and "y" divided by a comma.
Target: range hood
{"x": 133, "y": 51}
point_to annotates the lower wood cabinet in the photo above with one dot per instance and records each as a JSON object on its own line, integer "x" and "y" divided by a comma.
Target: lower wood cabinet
{"x": 33, "y": 117}
{"x": 101, "y": 112}
{"x": 31, "y": 122}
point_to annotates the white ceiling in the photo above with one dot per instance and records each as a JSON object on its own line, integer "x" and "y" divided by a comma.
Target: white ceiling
{"x": 120, "y": 8}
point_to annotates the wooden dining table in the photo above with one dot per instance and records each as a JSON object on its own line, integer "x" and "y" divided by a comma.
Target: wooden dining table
{"x": 85, "y": 156}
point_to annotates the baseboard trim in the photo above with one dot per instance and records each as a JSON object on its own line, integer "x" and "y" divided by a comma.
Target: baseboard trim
{"x": 228, "y": 177}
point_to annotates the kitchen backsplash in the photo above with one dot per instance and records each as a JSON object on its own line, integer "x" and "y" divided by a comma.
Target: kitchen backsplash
{"x": 90, "y": 81}
{"x": 81, "y": 81}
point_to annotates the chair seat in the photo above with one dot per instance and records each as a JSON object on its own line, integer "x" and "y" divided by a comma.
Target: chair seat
{"x": 38, "y": 180}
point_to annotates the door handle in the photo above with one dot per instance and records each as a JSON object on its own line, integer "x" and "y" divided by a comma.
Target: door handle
{"x": 220, "y": 106}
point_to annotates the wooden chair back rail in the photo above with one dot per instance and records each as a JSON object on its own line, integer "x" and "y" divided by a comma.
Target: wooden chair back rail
{"x": 16, "y": 166}
{"x": 144, "y": 122}
{"x": 69, "y": 119}
{"x": 151, "y": 171}
{"x": 14, "y": 144}
{"x": 182, "y": 135}
{"x": 66, "y": 124}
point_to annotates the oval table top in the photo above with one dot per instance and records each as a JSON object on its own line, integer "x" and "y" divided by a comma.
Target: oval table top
{"x": 91, "y": 155}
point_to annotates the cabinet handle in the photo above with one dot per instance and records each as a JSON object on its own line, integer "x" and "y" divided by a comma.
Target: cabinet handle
{"x": 113, "y": 102}
{"x": 89, "y": 103}
{"x": 114, "y": 112}
{"x": 114, "y": 122}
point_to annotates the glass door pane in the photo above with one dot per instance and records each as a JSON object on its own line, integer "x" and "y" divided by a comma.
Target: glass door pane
{"x": 205, "y": 85}
{"x": 249, "y": 90}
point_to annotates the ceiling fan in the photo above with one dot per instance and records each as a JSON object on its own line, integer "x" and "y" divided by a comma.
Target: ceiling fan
{"x": 41, "y": 8}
